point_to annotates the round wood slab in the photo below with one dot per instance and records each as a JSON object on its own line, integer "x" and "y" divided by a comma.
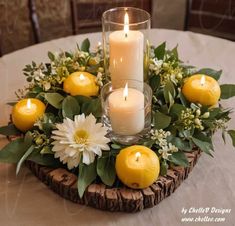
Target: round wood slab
{"x": 123, "y": 199}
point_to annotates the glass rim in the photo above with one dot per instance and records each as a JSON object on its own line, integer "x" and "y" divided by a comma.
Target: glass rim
{"x": 147, "y": 90}
{"x": 104, "y": 19}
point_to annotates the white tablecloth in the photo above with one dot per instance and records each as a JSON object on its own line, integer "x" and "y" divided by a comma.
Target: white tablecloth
{"x": 25, "y": 201}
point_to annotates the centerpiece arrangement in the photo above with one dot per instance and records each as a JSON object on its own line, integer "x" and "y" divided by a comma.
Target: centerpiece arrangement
{"x": 128, "y": 114}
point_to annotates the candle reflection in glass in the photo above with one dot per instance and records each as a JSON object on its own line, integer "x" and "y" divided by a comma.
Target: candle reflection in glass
{"x": 125, "y": 38}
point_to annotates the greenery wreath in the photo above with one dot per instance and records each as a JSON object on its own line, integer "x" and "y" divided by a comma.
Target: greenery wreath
{"x": 69, "y": 134}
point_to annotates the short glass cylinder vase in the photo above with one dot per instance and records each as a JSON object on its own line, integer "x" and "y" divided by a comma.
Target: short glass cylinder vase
{"x": 126, "y": 112}
{"x": 126, "y": 44}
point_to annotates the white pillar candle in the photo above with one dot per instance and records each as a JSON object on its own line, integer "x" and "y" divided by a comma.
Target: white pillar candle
{"x": 126, "y": 55}
{"x": 126, "y": 111}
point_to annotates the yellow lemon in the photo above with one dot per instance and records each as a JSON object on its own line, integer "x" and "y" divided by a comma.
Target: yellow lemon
{"x": 202, "y": 89}
{"x": 26, "y": 112}
{"x": 137, "y": 166}
{"x": 81, "y": 83}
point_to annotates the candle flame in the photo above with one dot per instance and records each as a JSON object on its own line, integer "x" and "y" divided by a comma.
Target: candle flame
{"x": 82, "y": 77}
{"x": 125, "y": 91}
{"x": 126, "y": 24}
{"x": 203, "y": 79}
{"x": 137, "y": 155}
{"x": 28, "y": 104}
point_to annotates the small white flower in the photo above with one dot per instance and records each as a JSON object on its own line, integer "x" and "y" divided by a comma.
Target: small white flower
{"x": 167, "y": 150}
{"x": 164, "y": 152}
{"x": 99, "y": 79}
{"x": 152, "y": 54}
{"x": 157, "y": 62}
{"x": 162, "y": 142}
{"x": 38, "y": 75}
{"x": 46, "y": 85}
{"x": 198, "y": 112}
{"x": 197, "y": 121}
{"x": 82, "y": 137}
{"x": 155, "y": 65}
{"x": 82, "y": 54}
{"x": 172, "y": 147}
{"x": 38, "y": 123}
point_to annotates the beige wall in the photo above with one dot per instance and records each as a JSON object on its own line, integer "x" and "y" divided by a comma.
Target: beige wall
{"x": 168, "y": 14}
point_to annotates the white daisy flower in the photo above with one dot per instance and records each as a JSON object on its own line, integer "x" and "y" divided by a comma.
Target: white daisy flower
{"x": 82, "y": 137}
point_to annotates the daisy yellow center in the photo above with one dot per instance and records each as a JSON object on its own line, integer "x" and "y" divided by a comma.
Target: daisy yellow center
{"x": 81, "y": 136}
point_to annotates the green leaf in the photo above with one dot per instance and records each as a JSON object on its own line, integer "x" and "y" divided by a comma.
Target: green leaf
{"x": 203, "y": 145}
{"x": 9, "y": 130}
{"x": 181, "y": 144}
{"x": 214, "y": 112}
{"x": 179, "y": 158}
{"x": 106, "y": 170}
{"x": 154, "y": 82}
{"x": 87, "y": 174}
{"x": 186, "y": 133}
{"x": 174, "y": 52}
{"x": 148, "y": 143}
{"x": 169, "y": 92}
{"x": 163, "y": 168}
{"x": 227, "y": 91}
{"x": 85, "y": 45}
{"x": 51, "y": 56}
{"x": 203, "y": 137}
{"x": 46, "y": 150}
{"x": 28, "y": 139}
{"x": 37, "y": 90}
{"x": 171, "y": 101}
{"x": 223, "y": 136}
{"x": 54, "y": 99}
{"x": 92, "y": 107}
{"x": 13, "y": 151}
{"x": 232, "y": 135}
{"x": 176, "y": 109}
{"x": 210, "y": 72}
{"x": 34, "y": 64}
{"x": 45, "y": 159}
{"x": 82, "y": 99}
{"x": 116, "y": 146}
{"x": 160, "y": 51}
{"x": 161, "y": 121}
{"x": 70, "y": 107}
{"x": 183, "y": 99}
{"x": 23, "y": 158}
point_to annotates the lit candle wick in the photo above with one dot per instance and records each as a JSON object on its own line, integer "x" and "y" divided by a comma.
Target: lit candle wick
{"x": 203, "y": 80}
{"x": 126, "y": 24}
{"x": 125, "y": 92}
{"x": 82, "y": 77}
{"x": 137, "y": 155}
{"x": 28, "y": 104}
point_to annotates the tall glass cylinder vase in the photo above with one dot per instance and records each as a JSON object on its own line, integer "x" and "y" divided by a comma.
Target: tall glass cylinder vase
{"x": 126, "y": 44}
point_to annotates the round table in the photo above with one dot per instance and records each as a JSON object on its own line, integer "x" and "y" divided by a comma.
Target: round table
{"x": 25, "y": 201}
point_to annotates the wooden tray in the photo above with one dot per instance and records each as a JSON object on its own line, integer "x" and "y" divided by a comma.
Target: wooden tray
{"x": 122, "y": 199}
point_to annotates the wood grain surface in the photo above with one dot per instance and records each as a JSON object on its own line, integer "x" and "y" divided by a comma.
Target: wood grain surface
{"x": 114, "y": 199}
